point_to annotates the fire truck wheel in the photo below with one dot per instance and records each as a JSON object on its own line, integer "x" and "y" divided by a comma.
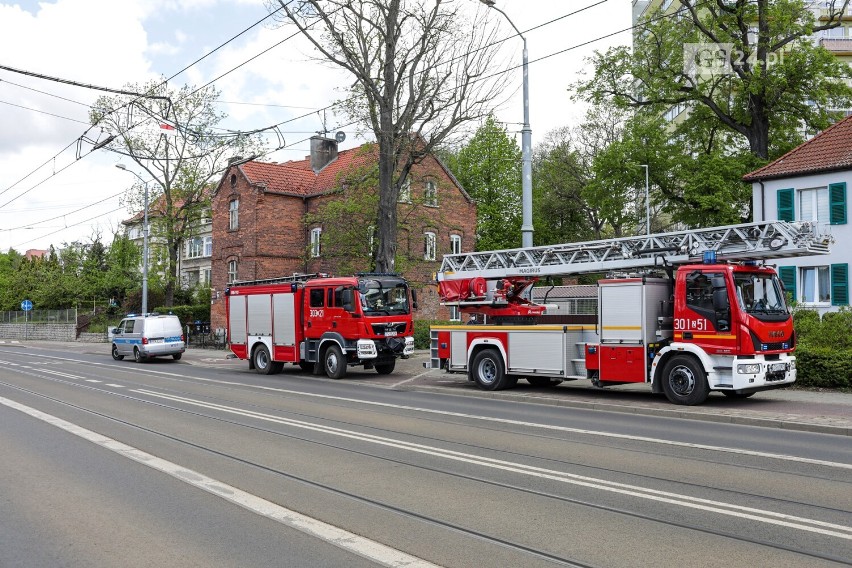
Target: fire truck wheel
{"x": 334, "y": 362}
{"x": 488, "y": 370}
{"x": 386, "y": 368}
{"x": 684, "y": 381}
{"x": 262, "y": 361}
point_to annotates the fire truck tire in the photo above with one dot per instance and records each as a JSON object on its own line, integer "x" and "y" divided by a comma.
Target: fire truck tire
{"x": 684, "y": 381}
{"x": 333, "y": 362}
{"x": 488, "y": 370}
{"x": 386, "y": 368}
{"x": 263, "y": 363}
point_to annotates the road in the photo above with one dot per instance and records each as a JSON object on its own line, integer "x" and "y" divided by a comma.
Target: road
{"x": 203, "y": 463}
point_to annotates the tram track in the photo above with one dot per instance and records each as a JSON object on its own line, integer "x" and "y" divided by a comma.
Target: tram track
{"x": 469, "y": 531}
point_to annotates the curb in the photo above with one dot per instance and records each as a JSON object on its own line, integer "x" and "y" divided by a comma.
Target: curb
{"x": 659, "y": 412}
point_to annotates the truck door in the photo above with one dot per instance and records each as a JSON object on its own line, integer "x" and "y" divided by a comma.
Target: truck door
{"x": 315, "y": 312}
{"x": 705, "y": 315}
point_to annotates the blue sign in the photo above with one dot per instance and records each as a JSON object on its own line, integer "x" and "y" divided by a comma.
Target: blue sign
{"x": 26, "y": 305}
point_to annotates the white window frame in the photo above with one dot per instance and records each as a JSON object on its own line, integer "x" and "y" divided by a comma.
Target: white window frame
{"x": 232, "y": 271}
{"x": 204, "y": 276}
{"x": 405, "y": 191}
{"x": 821, "y": 276}
{"x": 455, "y": 244}
{"x": 234, "y": 214}
{"x": 430, "y": 193}
{"x": 316, "y": 242}
{"x": 208, "y": 246}
{"x": 195, "y": 247}
{"x": 812, "y": 196}
{"x": 430, "y": 245}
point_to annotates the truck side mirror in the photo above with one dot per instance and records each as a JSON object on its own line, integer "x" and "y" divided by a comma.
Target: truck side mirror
{"x": 348, "y": 297}
{"x": 414, "y": 298}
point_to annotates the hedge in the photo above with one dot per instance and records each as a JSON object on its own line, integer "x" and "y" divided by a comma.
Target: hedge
{"x": 823, "y": 367}
{"x": 421, "y": 331}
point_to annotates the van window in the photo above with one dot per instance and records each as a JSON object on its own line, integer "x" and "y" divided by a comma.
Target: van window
{"x": 128, "y": 326}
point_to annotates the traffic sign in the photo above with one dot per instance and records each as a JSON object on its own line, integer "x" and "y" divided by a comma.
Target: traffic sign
{"x": 26, "y": 305}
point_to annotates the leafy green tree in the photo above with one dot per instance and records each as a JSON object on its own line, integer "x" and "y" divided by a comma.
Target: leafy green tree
{"x": 751, "y": 63}
{"x": 179, "y": 167}
{"x": 488, "y": 167}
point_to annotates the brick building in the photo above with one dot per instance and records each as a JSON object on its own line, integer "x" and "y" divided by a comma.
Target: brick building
{"x": 275, "y": 219}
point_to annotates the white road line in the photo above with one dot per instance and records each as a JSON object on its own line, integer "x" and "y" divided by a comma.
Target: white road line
{"x": 706, "y": 505}
{"x": 114, "y": 385}
{"x": 527, "y": 424}
{"x": 93, "y": 381}
{"x": 346, "y": 540}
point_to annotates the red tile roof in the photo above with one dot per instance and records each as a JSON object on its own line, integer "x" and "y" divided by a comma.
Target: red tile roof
{"x": 297, "y": 178}
{"x": 829, "y": 150}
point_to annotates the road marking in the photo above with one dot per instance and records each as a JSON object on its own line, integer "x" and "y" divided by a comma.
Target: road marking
{"x": 346, "y": 540}
{"x": 598, "y": 433}
{"x": 706, "y": 505}
{"x": 114, "y": 385}
{"x": 93, "y": 381}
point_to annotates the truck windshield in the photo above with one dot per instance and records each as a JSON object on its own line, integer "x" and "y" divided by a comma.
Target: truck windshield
{"x": 760, "y": 294}
{"x": 384, "y": 296}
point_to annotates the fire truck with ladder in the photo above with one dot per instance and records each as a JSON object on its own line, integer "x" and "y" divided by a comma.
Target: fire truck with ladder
{"x": 321, "y": 323}
{"x": 685, "y": 312}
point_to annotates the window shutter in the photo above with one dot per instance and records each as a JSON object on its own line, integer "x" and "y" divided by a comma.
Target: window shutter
{"x": 837, "y": 203}
{"x": 788, "y": 278}
{"x": 786, "y": 205}
{"x": 839, "y": 284}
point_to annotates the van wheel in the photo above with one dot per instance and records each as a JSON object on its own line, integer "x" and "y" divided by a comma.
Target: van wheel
{"x": 262, "y": 361}
{"x": 684, "y": 381}
{"x": 137, "y": 355}
{"x": 488, "y": 371}
{"x": 334, "y": 362}
{"x": 386, "y": 368}
{"x": 115, "y": 354}
{"x": 177, "y": 356}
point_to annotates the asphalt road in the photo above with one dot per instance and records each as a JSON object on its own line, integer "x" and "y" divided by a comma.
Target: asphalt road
{"x": 201, "y": 462}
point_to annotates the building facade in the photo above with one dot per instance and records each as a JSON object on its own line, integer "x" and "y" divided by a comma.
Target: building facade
{"x": 195, "y": 250}
{"x": 811, "y": 183}
{"x": 272, "y": 219}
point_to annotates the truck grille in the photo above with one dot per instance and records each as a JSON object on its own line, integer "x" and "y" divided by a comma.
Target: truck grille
{"x": 383, "y": 328}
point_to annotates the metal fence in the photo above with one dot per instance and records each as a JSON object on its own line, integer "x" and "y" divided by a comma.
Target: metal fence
{"x": 40, "y": 316}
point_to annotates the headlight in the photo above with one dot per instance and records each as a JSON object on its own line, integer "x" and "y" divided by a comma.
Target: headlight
{"x": 749, "y": 369}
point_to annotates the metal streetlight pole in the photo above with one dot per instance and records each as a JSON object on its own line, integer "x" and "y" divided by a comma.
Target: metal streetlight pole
{"x": 647, "y": 202}
{"x": 144, "y": 241}
{"x": 526, "y": 144}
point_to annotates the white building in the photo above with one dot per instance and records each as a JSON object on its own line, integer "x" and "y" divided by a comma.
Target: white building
{"x": 811, "y": 183}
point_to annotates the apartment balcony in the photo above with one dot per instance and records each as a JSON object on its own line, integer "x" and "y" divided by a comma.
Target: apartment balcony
{"x": 837, "y": 45}
{"x": 825, "y": 14}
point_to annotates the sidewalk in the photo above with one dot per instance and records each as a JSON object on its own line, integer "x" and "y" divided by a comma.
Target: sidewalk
{"x": 827, "y": 412}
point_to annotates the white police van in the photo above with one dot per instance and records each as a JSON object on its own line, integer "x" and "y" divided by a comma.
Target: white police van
{"x": 147, "y": 335}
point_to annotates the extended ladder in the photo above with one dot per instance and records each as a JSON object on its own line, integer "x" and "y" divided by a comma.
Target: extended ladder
{"x": 749, "y": 241}
{"x": 295, "y": 277}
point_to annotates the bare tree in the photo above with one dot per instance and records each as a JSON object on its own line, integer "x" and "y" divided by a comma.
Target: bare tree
{"x": 422, "y": 69}
{"x": 179, "y": 164}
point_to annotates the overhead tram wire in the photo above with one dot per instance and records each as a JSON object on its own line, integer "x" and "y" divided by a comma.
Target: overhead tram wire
{"x": 121, "y": 106}
{"x": 328, "y": 107}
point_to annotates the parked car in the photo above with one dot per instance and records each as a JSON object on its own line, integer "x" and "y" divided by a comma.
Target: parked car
{"x": 146, "y": 336}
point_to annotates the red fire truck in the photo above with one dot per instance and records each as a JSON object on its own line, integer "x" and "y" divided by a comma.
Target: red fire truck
{"x": 686, "y": 313}
{"x": 321, "y": 323}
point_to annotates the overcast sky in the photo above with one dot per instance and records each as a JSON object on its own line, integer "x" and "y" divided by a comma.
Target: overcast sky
{"x": 48, "y": 196}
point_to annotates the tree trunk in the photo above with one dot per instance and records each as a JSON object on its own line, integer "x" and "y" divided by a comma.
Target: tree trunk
{"x": 758, "y": 132}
